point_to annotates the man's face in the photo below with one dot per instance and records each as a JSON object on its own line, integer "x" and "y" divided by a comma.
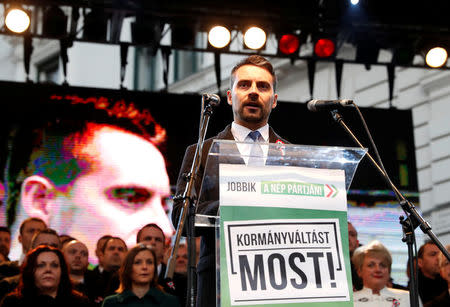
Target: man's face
{"x": 124, "y": 191}
{"x": 152, "y": 236}
{"x": 352, "y": 238}
{"x": 29, "y": 229}
{"x": 114, "y": 255}
{"x": 46, "y": 239}
{"x": 5, "y": 240}
{"x": 76, "y": 254}
{"x": 252, "y": 96}
{"x": 181, "y": 260}
{"x": 98, "y": 250}
{"x": 429, "y": 263}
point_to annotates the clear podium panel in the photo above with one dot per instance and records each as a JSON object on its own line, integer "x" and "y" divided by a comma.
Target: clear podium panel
{"x": 281, "y": 231}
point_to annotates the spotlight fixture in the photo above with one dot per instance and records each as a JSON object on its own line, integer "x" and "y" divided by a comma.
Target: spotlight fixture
{"x": 255, "y": 38}
{"x": 288, "y": 43}
{"x": 324, "y": 48}
{"x": 436, "y": 57}
{"x": 17, "y": 20}
{"x": 219, "y": 37}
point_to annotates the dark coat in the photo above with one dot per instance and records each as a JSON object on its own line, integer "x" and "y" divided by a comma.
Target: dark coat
{"x": 74, "y": 300}
{"x": 208, "y": 205}
{"x": 101, "y": 284}
{"x": 442, "y": 300}
{"x": 430, "y": 288}
{"x": 153, "y": 298}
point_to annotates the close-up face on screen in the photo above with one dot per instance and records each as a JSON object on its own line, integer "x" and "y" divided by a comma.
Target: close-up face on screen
{"x": 85, "y": 179}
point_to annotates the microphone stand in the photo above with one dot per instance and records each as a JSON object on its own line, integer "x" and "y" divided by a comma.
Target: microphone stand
{"x": 410, "y": 211}
{"x": 187, "y": 213}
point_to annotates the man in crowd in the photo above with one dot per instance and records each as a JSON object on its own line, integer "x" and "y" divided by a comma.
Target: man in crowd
{"x": 77, "y": 254}
{"x": 107, "y": 281}
{"x": 353, "y": 244}
{"x": 5, "y": 242}
{"x": 85, "y": 178}
{"x": 442, "y": 300}
{"x": 47, "y": 237}
{"x": 151, "y": 234}
{"x": 27, "y": 230}
{"x": 252, "y": 97}
{"x": 99, "y": 254}
{"x": 181, "y": 260}
{"x": 430, "y": 283}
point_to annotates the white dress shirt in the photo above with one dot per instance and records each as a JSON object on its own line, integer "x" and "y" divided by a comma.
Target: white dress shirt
{"x": 240, "y": 134}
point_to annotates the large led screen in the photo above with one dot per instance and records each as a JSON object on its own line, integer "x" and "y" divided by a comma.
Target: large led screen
{"x": 92, "y": 162}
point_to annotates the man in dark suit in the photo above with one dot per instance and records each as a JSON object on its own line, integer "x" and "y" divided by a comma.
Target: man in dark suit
{"x": 442, "y": 300}
{"x": 252, "y": 97}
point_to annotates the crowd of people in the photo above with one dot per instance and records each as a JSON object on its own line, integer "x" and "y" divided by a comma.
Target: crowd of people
{"x": 372, "y": 282}
{"x": 54, "y": 270}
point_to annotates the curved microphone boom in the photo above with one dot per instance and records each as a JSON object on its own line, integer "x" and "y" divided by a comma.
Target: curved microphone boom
{"x": 317, "y": 105}
{"x": 212, "y": 99}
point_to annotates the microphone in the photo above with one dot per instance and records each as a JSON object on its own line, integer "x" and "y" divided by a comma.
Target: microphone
{"x": 317, "y": 105}
{"x": 212, "y": 99}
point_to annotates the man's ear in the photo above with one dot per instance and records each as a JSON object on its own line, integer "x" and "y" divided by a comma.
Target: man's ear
{"x": 420, "y": 262}
{"x": 36, "y": 194}
{"x": 275, "y": 101}
{"x": 229, "y": 100}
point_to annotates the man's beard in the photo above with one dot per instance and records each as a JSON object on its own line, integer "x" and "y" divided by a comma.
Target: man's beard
{"x": 252, "y": 117}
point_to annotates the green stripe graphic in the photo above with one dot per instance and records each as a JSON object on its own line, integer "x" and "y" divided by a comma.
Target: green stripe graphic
{"x": 292, "y": 188}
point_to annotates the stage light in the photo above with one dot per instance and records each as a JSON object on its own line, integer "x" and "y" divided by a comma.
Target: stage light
{"x": 324, "y": 48}
{"x": 219, "y": 37}
{"x": 17, "y": 20}
{"x": 255, "y": 38}
{"x": 54, "y": 22}
{"x": 354, "y": 2}
{"x": 288, "y": 43}
{"x": 436, "y": 57}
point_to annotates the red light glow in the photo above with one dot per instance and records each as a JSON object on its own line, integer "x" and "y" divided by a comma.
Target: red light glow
{"x": 324, "y": 48}
{"x": 289, "y": 43}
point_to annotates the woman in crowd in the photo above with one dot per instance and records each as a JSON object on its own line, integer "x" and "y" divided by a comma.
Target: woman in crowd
{"x": 44, "y": 282}
{"x": 373, "y": 264}
{"x": 139, "y": 282}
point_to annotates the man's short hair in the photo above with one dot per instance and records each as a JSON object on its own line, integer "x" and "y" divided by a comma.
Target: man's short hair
{"x": 49, "y": 231}
{"x": 113, "y": 238}
{"x": 422, "y": 248}
{"x": 151, "y": 225}
{"x": 255, "y": 60}
{"x": 107, "y": 237}
{"x": 5, "y": 229}
{"x": 30, "y": 219}
{"x": 58, "y": 147}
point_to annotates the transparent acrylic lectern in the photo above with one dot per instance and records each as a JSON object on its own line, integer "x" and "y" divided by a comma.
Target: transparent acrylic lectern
{"x": 226, "y": 152}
